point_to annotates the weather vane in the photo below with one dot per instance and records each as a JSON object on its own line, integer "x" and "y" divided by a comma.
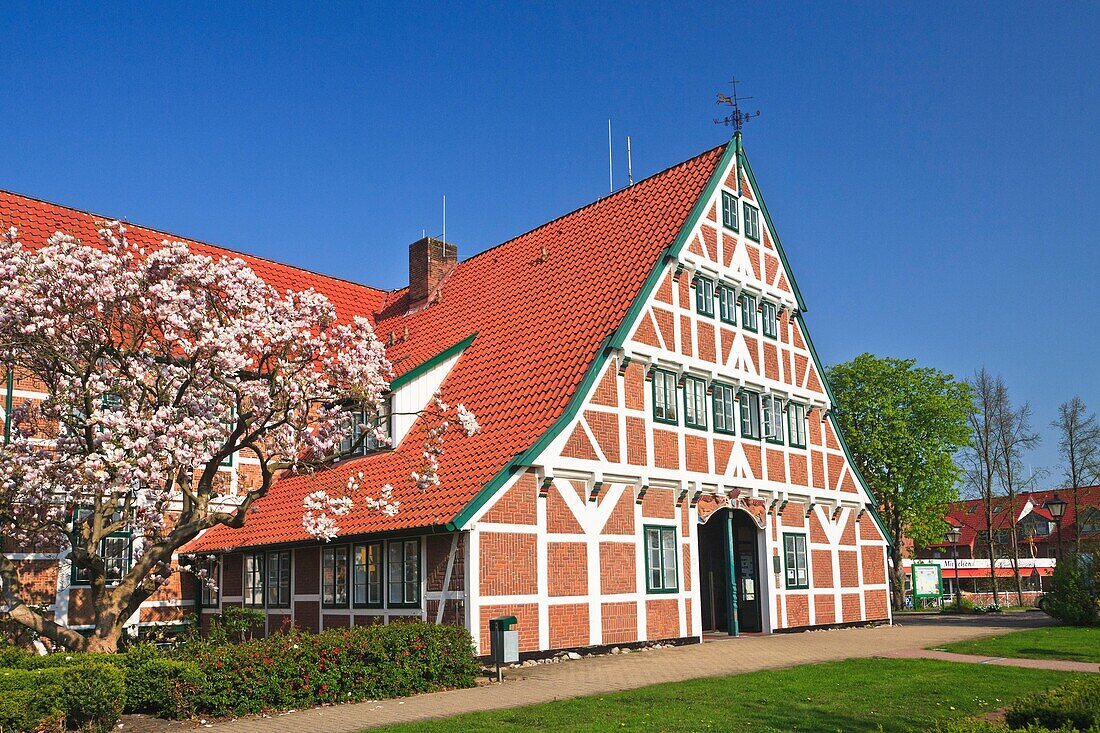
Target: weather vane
{"x": 735, "y": 119}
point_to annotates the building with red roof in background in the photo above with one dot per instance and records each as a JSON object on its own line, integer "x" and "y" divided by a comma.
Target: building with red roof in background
{"x": 657, "y": 457}
{"x": 1040, "y": 539}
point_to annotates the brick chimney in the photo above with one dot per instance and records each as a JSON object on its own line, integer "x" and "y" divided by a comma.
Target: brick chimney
{"x": 430, "y": 260}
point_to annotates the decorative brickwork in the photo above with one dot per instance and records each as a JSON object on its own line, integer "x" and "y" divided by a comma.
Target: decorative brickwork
{"x": 662, "y": 618}
{"x": 617, "y": 568}
{"x": 798, "y": 610}
{"x": 508, "y": 564}
{"x": 568, "y": 625}
{"x": 517, "y": 504}
{"x": 850, "y": 607}
{"x": 567, "y": 568}
{"x": 659, "y": 504}
{"x": 527, "y": 623}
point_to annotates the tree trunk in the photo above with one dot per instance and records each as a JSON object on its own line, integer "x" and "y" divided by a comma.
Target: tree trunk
{"x": 897, "y": 569}
{"x": 1016, "y": 566}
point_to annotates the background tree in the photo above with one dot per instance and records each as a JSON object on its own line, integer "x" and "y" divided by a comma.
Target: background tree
{"x": 903, "y": 424}
{"x": 1015, "y": 437}
{"x": 1079, "y": 442}
{"x": 982, "y": 461}
{"x": 158, "y": 368}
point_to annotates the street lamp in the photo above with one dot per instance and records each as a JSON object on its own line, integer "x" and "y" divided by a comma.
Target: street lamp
{"x": 1056, "y": 507}
{"x": 952, "y": 537}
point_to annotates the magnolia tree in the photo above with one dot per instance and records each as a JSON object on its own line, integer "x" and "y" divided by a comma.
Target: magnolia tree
{"x": 159, "y": 367}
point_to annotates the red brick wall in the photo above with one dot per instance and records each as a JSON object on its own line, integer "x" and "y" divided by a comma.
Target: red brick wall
{"x": 567, "y": 568}
{"x": 696, "y": 451}
{"x": 634, "y": 387}
{"x": 621, "y": 520}
{"x": 798, "y": 610}
{"x": 617, "y": 567}
{"x": 824, "y": 608}
{"x": 307, "y": 570}
{"x": 568, "y": 625}
{"x": 636, "y": 453}
{"x": 508, "y": 564}
{"x": 307, "y": 615}
{"x": 876, "y": 603}
{"x": 517, "y": 505}
{"x": 607, "y": 393}
{"x": 437, "y": 551}
{"x": 849, "y": 569}
{"x": 874, "y": 568}
{"x": 666, "y": 449}
{"x": 662, "y": 619}
{"x": 232, "y": 579}
{"x": 822, "y": 567}
{"x": 527, "y": 623}
{"x": 850, "y": 607}
{"x": 659, "y": 504}
{"x": 619, "y": 622}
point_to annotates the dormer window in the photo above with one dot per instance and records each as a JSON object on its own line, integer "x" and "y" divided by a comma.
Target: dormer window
{"x": 363, "y": 437}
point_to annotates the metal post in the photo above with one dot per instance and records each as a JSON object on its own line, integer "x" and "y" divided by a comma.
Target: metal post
{"x": 731, "y": 557}
{"x": 958, "y": 586}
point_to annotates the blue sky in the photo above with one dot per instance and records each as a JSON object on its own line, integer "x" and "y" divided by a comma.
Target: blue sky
{"x": 931, "y": 169}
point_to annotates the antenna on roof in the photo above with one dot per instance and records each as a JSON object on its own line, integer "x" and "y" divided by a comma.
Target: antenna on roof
{"x": 735, "y": 119}
{"x": 610, "y": 165}
{"x": 629, "y": 167}
{"x": 444, "y": 217}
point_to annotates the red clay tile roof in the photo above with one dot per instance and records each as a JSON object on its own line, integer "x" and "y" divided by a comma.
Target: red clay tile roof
{"x": 969, "y": 515}
{"x": 539, "y": 326}
{"x": 38, "y": 220}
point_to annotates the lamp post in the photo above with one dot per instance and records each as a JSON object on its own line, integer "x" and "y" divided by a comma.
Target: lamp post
{"x": 1056, "y": 507}
{"x": 952, "y": 537}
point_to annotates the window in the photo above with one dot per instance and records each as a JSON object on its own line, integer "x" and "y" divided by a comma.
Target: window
{"x": 660, "y": 559}
{"x": 366, "y": 578}
{"x": 771, "y": 417}
{"x": 334, "y": 576}
{"x": 770, "y": 318}
{"x": 208, "y": 567}
{"x": 404, "y": 573}
{"x": 798, "y": 568}
{"x": 278, "y": 579}
{"x": 704, "y": 296}
{"x": 752, "y": 223}
{"x": 254, "y": 579}
{"x": 796, "y": 424}
{"x": 750, "y": 415}
{"x": 230, "y": 425}
{"x": 365, "y": 426}
{"x": 748, "y": 312}
{"x": 115, "y": 550}
{"x": 725, "y": 409}
{"x": 729, "y": 211}
{"x": 727, "y": 304}
{"x": 695, "y": 402}
{"x": 664, "y": 396}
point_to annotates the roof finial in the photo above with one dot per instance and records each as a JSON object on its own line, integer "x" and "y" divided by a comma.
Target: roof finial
{"x": 737, "y": 118}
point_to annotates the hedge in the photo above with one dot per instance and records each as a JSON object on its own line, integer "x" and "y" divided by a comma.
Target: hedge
{"x": 88, "y": 696}
{"x": 283, "y": 671}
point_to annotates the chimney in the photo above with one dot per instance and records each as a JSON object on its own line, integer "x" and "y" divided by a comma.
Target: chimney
{"x": 430, "y": 260}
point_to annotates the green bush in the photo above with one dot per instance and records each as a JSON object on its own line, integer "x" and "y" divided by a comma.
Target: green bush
{"x": 300, "y": 670}
{"x": 88, "y": 696}
{"x": 1076, "y": 704}
{"x": 166, "y": 688}
{"x": 93, "y": 695}
{"x": 1074, "y": 596}
{"x": 27, "y": 697}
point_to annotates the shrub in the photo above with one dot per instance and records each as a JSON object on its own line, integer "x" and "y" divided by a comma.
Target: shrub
{"x": 88, "y": 696}
{"x": 977, "y": 725}
{"x": 93, "y": 695}
{"x": 1076, "y": 704}
{"x": 27, "y": 698}
{"x": 300, "y": 670}
{"x": 1074, "y": 596}
{"x": 167, "y": 688}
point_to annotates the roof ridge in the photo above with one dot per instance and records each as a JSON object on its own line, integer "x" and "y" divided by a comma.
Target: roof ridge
{"x": 190, "y": 239}
{"x": 598, "y": 201}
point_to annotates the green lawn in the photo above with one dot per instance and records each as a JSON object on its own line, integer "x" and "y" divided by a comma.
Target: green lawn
{"x": 854, "y": 695}
{"x": 1074, "y": 643}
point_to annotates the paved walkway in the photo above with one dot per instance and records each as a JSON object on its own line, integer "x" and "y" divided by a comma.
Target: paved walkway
{"x": 545, "y": 683}
{"x": 1060, "y": 665}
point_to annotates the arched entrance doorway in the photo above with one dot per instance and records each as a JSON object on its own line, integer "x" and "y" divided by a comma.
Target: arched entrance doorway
{"x": 729, "y": 553}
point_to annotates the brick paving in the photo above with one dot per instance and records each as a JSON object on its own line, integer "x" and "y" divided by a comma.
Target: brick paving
{"x": 610, "y": 673}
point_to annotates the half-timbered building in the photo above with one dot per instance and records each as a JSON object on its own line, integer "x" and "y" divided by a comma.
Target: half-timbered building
{"x": 657, "y": 459}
